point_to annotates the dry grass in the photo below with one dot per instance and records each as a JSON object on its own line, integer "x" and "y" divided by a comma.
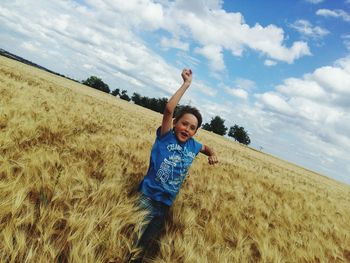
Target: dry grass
{"x": 70, "y": 162}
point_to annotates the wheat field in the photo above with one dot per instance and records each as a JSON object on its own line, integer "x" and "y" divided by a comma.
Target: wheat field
{"x": 71, "y": 159}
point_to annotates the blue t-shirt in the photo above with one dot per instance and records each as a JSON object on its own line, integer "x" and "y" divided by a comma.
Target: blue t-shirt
{"x": 170, "y": 161}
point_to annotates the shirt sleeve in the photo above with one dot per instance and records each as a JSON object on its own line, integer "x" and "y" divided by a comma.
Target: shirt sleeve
{"x": 197, "y": 146}
{"x": 161, "y": 137}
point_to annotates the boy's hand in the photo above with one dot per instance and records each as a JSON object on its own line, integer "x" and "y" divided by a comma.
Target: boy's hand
{"x": 187, "y": 75}
{"x": 212, "y": 159}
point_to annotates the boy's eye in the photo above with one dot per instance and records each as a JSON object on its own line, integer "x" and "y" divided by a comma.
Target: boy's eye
{"x": 192, "y": 127}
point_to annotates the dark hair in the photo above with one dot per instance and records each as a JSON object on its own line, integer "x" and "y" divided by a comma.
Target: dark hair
{"x": 182, "y": 110}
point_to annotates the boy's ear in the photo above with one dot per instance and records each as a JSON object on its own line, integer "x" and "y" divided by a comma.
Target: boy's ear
{"x": 174, "y": 122}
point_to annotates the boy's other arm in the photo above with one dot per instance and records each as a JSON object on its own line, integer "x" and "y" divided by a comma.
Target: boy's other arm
{"x": 212, "y": 158}
{"x": 174, "y": 100}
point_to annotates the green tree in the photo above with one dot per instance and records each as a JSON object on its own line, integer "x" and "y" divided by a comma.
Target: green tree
{"x": 96, "y": 83}
{"x": 206, "y": 126}
{"x": 239, "y": 134}
{"x": 136, "y": 98}
{"x": 150, "y": 103}
{"x": 161, "y": 104}
{"x": 116, "y": 92}
{"x": 216, "y": 125}
{"x": 124, "y": 96}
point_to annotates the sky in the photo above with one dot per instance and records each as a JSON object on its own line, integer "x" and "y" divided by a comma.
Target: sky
{"x": 280, "y": 69}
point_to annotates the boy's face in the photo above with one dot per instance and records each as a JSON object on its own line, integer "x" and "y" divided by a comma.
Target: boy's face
{"x": 185, "y": 127}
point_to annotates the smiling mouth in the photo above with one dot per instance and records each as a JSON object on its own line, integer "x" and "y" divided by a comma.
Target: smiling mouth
{"x": 184, "y": 134}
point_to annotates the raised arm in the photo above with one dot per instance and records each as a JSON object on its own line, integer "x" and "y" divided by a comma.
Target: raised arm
{"x": 212, "y": 158}
{"x": 174, "y": 100}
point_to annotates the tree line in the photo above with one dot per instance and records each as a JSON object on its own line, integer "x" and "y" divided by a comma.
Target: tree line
{"x": 216, "y": 125}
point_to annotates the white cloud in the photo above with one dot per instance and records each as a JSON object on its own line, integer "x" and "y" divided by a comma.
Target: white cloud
{"x": 211, "y": 27}
{"x": 214, "y": 54}
{"x": 309, "y": 110}
{"x": 305, "y": 28}
{"x": 30, "y": 46}
{"x": 241, "y": 88}
{"x": 313, "y": 112}
{"x": 343, "y": 63}
{"x": 211, "y": 109}
{"x": 88, "y": 66}
{"x": 129, "y": 79}
{"x": 199, "y": 86}
{"x": 314, "y": 1}
{"x": 239, "y": 93}
{"x": 276, "y": 103}
{"x": 114, "y": 25}
{"x": 269, "y": 63}
{"x": 269, "y": 40}
{"x": 198, "y": 7}
{"x": 338, "y": 13}
{"x": 245, "y": 84}
{"x": 333, "y": 79}
{"x": 318, "y": 103}
{"x": 228, "y": 31}
{"x": 346, "y": 40}
{"x": 174, "y": 43}
{"x": 143, "y": 14}
{"x": 302, "y": 87}
{"x": 185, "y": 60}
{"x": 91, "y": 37}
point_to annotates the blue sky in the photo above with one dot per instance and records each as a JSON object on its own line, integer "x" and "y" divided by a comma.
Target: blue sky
{"x": 281, "y": 69}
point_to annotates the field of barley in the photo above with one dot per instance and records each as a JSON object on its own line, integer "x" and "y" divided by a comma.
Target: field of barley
{"x": 71, "y": 159}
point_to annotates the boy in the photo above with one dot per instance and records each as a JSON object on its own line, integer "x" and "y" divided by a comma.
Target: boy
{"x": 171, "y": 157}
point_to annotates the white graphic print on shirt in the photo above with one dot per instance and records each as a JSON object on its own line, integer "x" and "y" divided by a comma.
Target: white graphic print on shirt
{"x": 173, "y": 170}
